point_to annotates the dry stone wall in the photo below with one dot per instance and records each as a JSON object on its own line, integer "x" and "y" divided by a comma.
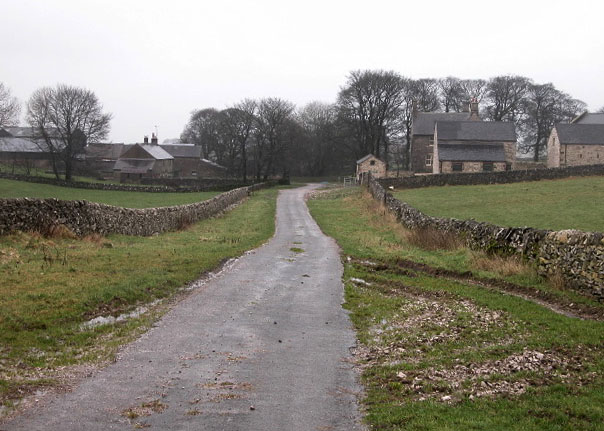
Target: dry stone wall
{"x": 84, "y": 218}
{"x": 453, "y": 179}
{"x": 577, "y": 256}
{"x": 157, "y": 186}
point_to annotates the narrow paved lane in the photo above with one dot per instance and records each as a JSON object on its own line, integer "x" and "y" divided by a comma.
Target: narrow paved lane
{"x": 264, "y": 346}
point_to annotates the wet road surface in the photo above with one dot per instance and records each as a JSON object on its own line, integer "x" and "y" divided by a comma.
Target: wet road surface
{"x": 264, "y": 346}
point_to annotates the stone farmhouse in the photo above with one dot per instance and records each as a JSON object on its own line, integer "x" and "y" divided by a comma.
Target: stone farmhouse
{"x": 169, "y": 160}
{"x": 580, "y": 142}
{"x": 372, "y": 164}
{"x": 146, "y": 160}
{"x": 473, "y": 146}
{"x": 189, "y": 163}
{"x": 443, "y": 142}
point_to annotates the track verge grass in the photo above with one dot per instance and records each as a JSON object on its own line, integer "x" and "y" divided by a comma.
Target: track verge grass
{"x": 446, "y": 354}
{"x": 51, "y": 286}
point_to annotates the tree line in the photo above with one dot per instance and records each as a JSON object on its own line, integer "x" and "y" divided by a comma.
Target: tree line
{"x": 373, "y": 113}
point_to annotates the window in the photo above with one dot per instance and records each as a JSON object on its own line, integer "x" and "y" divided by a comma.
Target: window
{"x": 372, "y": 162}
{"x": 457, "y": 166}
{"x": 508, "y": 166}
{"x": 428, "y": 159}
{"x": 487, "y": 166}
{"x": 193, "y": 173}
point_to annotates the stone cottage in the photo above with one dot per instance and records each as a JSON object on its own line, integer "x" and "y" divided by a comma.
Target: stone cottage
{"x": 473, "y": 146}
{"x": 422, "y": 135}
{"x": 146, "y": 160}
{"x": 575, "y": 144}
{"x": 372, "y": 164}
{"x": 188, "y": 162}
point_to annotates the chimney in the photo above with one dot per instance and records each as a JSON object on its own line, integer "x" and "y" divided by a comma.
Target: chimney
{"x": 474, "y": 109}
{"x": 146, "y": 140}
{"x": 153, "y": 139}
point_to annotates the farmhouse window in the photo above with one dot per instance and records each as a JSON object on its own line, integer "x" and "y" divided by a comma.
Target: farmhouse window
{"x": 457, "y": 166}
{"x": 428, "y": 159}
{"x": 193, "y": 173}
{"x": 487, "y": 166}
{"x": 372, "y": 162}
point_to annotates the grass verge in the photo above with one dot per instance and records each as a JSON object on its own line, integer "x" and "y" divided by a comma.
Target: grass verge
{"x": 572, "y": 203}
{"x": 50, "y": 287}
{"x": 445, "y": 354}
{"x": 21, "y": 189}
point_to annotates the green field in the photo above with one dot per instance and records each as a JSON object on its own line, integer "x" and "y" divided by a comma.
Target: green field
{"x": 22, "y": 189}
{"x": 574, "y": 203}
{"x": 443, "y": 354}
{"x": 50, "y": 286}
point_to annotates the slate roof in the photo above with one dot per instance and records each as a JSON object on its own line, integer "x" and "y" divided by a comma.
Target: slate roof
{"x": 155, "y": 151}
{"x": 18, "y": 145}
{"x": 105, "y": 151}
{"x": 423, "y": 123}
{"x": 581, "y": 134}
{"x": 587, "y": 118}
{"x": 134, "y": 166}
{"x": 367, "y": 157}
{"x": 211, "y": 163}
{"x": 27, "y": 132}
{"x": 173, "y": 141}
{"x": 471, "y": 152}
{"x": 476, "y": 131}
{"x": 187, "y": 151}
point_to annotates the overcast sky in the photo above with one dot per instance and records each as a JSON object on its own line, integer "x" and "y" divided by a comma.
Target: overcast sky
{"x": 152, "y": 62}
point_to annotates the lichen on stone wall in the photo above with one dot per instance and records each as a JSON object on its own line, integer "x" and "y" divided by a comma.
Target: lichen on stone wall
{"x": 575, "y": 255}
{"x": 83, "y": 218}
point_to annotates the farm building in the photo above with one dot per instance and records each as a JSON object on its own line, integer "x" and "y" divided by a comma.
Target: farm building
{"x": 473, "y": 146}
{"x": 372, "y": 164}
{"x": 101, "y": 158}
{"x": 575, "y": 144}
{"x": 20, "y": 149}
{"x": 188, "y": 162}
{"x": 422, "y": 135}
{"x": 146, "y": 160}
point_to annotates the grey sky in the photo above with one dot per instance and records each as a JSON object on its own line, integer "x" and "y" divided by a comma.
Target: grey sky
{"x": 153, "y": 62}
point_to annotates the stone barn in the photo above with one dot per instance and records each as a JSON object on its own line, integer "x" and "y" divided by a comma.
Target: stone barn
{"x": 575, "y": 144}
{"x": 372, "y": 164}
{"x": 422, "y": 135}
{"x": 144, "y": 161}
{"x": 473, "y": 146}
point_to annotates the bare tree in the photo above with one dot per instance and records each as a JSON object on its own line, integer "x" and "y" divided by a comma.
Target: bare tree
{"x": 64, "y": 120}
{"x": 202, "y": 130}
{"x": 10, "y": 108}
{"x": 371, "y": 102}
{"x": 505, "y": 97}
{"x": 544, "y": 107}
{"x": 473, "y": 89}
{"x": 452, "y": 94}
{"x": 601, "y": 110}
{"x": 237, "y": 125}
{"x": 272, "y": 122}
{"x": 419, "y": 95}
{"x": 318, "y": 122}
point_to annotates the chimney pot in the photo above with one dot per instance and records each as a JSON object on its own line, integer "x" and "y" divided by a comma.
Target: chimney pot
{"x": 146, "y": 141}
{"x": 474, "y": 110}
